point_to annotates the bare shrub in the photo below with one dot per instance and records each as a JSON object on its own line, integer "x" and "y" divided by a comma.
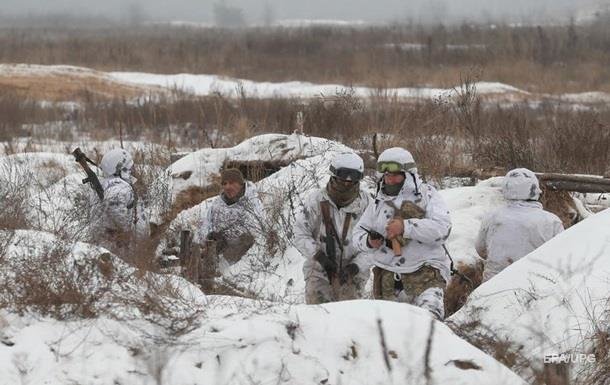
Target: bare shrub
{"x": 58, "y": 281}
{"x": 459, "y": 288}
{"x": 13, "y": 188}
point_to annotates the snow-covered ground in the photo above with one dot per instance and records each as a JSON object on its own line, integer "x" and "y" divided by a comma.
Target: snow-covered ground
{"x": 203, "y": 84}
{"x": 276, "y": 338}
{"x": 552, "y": 301}
{"x": 200, "y": 167}
{"x": 231, "y": 87}
{"x": 242, "y": 342}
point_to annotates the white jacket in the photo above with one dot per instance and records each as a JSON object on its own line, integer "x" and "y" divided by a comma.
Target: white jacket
{"x": 309, "y": 230}
{"x": 244, "y": 216}
{"x": 426, "y": 236}
{"x": 117, "y": 210}
{"x": 513, "y": 231}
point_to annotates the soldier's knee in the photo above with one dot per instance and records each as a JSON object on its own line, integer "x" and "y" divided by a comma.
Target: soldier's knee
{"x": 432, "y": 299}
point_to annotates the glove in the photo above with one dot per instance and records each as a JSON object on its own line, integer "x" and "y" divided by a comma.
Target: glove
{"x": 328, "y": 264}
{"x": 349, "y": 271}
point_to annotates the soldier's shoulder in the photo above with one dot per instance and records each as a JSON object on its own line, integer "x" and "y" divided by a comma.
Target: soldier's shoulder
{"x": 117, "y": 187}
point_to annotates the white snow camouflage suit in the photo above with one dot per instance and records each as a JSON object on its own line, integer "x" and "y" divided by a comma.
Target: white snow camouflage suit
{"x": 309, "y": 230}
{"x": 423, "y": 252}
{"x": 242, "y": 218}
{"x": 513, "y": 231}
{"x": 118, "y": 216}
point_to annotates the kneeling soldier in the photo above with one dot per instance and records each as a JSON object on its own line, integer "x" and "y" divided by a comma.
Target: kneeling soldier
{"x": 230, "y": 224}
{"x": 334, "y": 270}
{"x": 403, "y": 231}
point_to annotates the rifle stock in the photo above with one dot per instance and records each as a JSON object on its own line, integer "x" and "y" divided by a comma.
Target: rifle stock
{"x": 91, "y": 178}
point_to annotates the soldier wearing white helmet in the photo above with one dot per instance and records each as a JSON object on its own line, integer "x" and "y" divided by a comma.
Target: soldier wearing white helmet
{"x": 518, "y": 228}
{"x": 116, "y": 215}
{"x": 334, "y": 269}
{"x": 403, "y": 232}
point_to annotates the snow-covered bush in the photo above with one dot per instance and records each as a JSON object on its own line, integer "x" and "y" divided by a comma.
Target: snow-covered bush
{"x": 43, "y": 274}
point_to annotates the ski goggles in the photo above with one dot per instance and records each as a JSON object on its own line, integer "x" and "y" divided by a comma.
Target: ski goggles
{"x": 347, "y": 174}
{"x": 384, "y": 167}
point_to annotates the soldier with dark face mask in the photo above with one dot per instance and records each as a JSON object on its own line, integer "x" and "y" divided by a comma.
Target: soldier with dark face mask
{"x": 334, "y": 270}
{"x": 413, "y": 223}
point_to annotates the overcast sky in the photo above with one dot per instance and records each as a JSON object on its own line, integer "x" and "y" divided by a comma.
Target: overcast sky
{"x": 366, "y": 10}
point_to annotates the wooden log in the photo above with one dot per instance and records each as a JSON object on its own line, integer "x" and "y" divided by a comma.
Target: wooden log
{"x": 188, "y": 259}
{"x": 576, "y": 186}
{"x": 577, "y": 183}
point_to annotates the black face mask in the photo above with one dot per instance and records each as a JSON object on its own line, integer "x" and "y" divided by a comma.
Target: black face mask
{"x": 342, "y": 194}
{"x": 392, "y": 190}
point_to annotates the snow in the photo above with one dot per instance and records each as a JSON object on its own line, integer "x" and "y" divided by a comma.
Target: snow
{"x": 203, "y": 165}
{"x": 586, "y": 97}
{"x": 232, "y": 87}
{"x": 206, "y": 84}
{"x": 549, "y": 301}
{"x": 276, "y": 338}
{"x": 301, "y": 23}
{"x": 247, "y": 342}
{"x": 421, "y": 47}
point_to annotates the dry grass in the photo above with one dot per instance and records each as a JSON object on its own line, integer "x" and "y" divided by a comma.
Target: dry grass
{"x": 447, "y": 137}
{"x": 548, "y": 59}
{"x": 68, "y": 88}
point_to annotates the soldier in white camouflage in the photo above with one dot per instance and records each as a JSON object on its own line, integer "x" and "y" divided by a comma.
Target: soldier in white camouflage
{"x": 403, "y": 232}
{"x": 521, "y": 226}
{"x": 234, "y": 217}
{"x": 118, "y": 217}
{"x": 334, "y": 269}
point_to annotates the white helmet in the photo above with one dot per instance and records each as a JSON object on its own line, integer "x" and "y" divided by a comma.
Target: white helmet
{"x": 348, "y": 166}
{"x": 396, "y": 159}
{"x": 117, "y": 162}
{"x": 521, "y": 184}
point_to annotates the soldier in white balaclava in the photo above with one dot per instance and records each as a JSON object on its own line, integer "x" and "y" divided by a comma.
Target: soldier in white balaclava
{"x": 334, "y": 269}
{"x": 403, "y": 232}
{"x": 521, "y": 226}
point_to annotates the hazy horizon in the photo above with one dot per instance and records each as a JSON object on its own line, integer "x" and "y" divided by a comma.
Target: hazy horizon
{"x": 255, "y": 11}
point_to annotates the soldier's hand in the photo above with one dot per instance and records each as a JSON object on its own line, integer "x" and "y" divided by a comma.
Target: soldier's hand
{"x": 328, "y": 264}
{"x": 395, "y": 228}
{"x": 348, "y": 272}
{"x": 374, "y": 243}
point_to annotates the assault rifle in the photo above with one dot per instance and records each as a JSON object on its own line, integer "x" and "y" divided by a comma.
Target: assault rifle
{"x": 91, "y": 178}
{"x": 374, "y": 235}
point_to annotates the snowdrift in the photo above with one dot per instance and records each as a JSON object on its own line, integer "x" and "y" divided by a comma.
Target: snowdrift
{"x": 200, "y": 168}
{"x": 553, "y": 300}
{"x": 244, "y": 342}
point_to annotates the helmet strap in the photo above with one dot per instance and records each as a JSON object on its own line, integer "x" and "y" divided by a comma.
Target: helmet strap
{"x": 415, "y": 183}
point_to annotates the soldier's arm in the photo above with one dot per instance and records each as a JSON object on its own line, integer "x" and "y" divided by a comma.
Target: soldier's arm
{"x": 359, "y": 236}
{"x": 435, "y": 226}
